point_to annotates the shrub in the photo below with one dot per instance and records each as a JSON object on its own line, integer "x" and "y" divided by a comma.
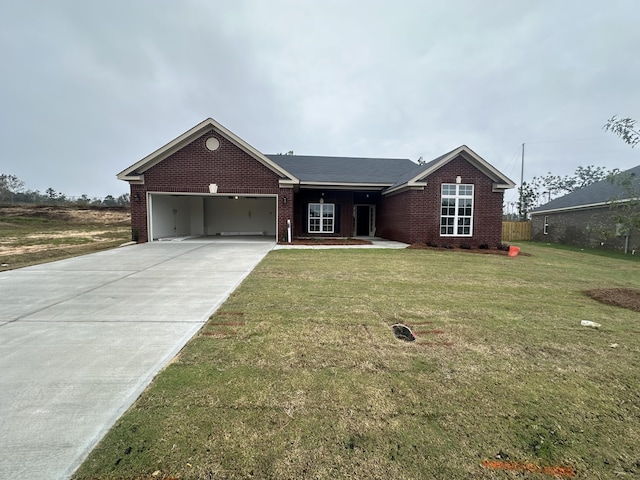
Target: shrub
{"x": 503, "y": 247}
{"x": 465, "y": 246}
{"x": 484, "y": 246}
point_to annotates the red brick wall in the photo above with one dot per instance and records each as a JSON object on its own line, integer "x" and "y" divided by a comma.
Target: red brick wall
{"x": 342, "y": 199}
{"x": 413, "y": 216}
{"x": 194, "y": 167}
{"x": 393, "y": 217}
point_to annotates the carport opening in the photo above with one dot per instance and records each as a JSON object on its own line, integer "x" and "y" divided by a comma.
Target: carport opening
{"x": 178, "y": 216}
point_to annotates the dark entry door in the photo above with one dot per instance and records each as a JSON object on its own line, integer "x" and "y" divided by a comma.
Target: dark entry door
{"x": 362, "y": 220}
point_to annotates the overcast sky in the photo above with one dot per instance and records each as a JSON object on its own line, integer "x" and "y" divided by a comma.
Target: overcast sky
{"x": 88, "y": 88}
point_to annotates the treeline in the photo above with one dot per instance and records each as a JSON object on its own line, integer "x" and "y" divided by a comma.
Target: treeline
{"x": 13, "y": 191}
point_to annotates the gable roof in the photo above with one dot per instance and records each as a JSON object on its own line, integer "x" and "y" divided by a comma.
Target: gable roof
{"x": 387, "y": 174}
{"x": 318, "y": 170}
{"x": 418, "y": 176}
{"x": 595, "y": 195}
{"x": 134, "y": 172}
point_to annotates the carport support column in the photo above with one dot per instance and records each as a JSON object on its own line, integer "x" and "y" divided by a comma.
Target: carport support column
{"x": 138, "y": 202}
{"x": 285, "y": 214}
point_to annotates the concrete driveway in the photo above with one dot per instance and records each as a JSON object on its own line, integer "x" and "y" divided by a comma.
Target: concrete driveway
{"x": 81, "y": 338}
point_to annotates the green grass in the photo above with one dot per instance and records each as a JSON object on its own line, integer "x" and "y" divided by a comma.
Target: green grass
{"x": 603, "y": 252}
{"x": 298, "y": 375}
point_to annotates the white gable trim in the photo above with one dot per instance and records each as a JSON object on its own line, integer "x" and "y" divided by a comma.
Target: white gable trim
{"x": 134, "y": 173}
{"x": 501, "y": 182}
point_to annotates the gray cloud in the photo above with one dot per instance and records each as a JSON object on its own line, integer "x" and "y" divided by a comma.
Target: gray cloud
{"x": 89, "y": 88}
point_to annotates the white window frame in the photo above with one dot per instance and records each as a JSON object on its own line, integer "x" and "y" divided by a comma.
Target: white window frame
{"x": 325, "y": 223}
{"x": 456, "y": 209}
{"x": 545, "y": 230}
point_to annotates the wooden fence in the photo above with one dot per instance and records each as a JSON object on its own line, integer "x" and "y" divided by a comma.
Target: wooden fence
{"x": 514, "y": 231}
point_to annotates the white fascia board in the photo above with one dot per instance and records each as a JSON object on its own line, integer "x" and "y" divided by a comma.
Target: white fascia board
{"x": 411, "y": 185}
{"x": 475, "y": 160}
{"x": 404, "y": 187}
{"x": 343, "y": 186}
{"x": 133, "y": 179}
{"x": 190, "y": 135}
{"x": 500, "y": 187}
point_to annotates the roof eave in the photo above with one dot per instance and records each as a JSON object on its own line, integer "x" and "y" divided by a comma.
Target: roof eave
{"x": 343, "y": 185}
{"x": 501, "y": 187}
{"x": 136, "y": 179}
{"x": 177, "y": 143}
{"x": 411, "y": 185}
{"x": 585, "y": 206}
{"x": 501, "y": 181}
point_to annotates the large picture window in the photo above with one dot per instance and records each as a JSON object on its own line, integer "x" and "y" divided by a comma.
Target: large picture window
{"x": 321, "y": 217}
{"x": 456, "y": 214}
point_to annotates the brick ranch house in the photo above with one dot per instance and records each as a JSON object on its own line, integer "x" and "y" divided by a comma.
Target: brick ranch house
{"x": 586, "y": 217}
{"x": 208, "y": 181}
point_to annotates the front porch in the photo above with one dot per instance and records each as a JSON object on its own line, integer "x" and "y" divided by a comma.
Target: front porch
{"x": 320, "y": 213}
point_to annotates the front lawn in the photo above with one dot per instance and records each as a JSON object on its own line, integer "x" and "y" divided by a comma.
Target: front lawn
{"x": 299, "y": 375}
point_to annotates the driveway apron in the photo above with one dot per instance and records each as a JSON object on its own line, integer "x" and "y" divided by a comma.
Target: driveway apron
{"x": 81, "y": 338}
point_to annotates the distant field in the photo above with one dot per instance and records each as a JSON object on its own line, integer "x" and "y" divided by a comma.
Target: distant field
{"x": 298, "y": 374}
{"x": 37, "y": 234}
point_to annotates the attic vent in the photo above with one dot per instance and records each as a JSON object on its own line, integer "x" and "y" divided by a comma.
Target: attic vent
{"x": 212, "y": 144}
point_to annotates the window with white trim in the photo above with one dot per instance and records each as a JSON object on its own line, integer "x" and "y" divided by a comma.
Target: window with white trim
{"x": 456, "y": 213}
{"x": 321, "y": 217}
{"x": 546, "y": 225}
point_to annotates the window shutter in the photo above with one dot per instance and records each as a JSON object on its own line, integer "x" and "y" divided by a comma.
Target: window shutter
{"x": 336, "y": 220}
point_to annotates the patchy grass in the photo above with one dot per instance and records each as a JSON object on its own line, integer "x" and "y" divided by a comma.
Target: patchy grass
{"x": 602, "y": 252}
{"x": 37, "y": 234}
{"x": 299, "y": 375}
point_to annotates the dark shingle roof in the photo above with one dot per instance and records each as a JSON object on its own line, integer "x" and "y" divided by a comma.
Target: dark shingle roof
{"x": 599, "y": 192}
{"x": 344, "y": 169}
{"x": 417, "y": 169}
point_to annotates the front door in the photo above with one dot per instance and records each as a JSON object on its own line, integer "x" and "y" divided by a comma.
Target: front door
{"x": 365, "y": 220}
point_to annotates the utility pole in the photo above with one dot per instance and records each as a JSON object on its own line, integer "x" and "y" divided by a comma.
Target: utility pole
{"x": 523, "y": 214}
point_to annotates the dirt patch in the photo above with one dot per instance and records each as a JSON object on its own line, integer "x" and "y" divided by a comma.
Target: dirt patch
{"x": 102, "y": 215}
{"x": 556, "y": 471}
{"x": 620, "y": 297}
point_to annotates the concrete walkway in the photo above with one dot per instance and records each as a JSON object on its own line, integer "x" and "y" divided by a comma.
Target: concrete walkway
{"x": 81, "y": 338}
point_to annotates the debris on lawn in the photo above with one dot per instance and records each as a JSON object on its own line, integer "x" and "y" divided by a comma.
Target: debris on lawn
{"x": 589, "y": 323}
{"x": 402, "y": 332}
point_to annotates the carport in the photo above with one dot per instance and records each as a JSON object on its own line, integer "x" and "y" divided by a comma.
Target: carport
{"x": 175, "y": 215}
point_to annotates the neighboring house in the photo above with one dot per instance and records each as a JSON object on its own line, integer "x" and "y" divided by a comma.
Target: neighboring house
{"x": 585, "y": 217}
{"x": 208, "y": 181}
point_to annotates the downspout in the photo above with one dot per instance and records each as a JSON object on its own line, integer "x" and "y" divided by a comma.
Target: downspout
{"x": 288, "y": 230}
